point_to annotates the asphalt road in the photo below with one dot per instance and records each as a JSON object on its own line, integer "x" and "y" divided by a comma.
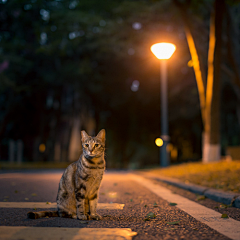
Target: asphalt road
{"x": 116, "y": 187}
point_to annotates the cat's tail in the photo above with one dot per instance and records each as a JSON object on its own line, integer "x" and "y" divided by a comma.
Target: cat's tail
{"x": 41, "y": 214}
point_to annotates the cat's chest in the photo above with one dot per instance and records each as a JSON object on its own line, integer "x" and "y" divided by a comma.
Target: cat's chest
{"x": 94, "y": 179}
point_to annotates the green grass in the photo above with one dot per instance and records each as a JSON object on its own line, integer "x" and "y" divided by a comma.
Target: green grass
{"x": 222, "y": 175}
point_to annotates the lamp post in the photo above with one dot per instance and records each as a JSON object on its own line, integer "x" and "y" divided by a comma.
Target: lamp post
{"x": 163, "y": 51}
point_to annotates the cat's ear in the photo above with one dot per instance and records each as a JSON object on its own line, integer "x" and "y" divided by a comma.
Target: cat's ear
{"x": 84, "y": 135}
{"x": 101, "y": 135}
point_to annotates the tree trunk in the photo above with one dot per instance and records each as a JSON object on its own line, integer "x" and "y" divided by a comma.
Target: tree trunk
{"x": 209, "y": 102}
{"x": 197, "y": 64}
{"x": 211, "y": 136}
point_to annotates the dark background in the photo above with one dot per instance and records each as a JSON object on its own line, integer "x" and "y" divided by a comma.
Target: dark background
{"x": 66, "y": 66}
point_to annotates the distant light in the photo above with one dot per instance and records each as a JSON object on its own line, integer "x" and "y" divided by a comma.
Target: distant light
{"x": 190, "y": 63}
{"x": 137, "y": 26}
{"x": 159, "y": 142}
{"x": 75, "y": 34}
{"x": 135, "y": 85}
{"x": 131, "y": 51}
{"x": 174, "y": 153}
{"x": 4, "y": 1}
{"x": 169, "y": 147}
{"x": 42, "y": 148}
{"x": 163, "y": 50}
{"x": 72, "y": 35}
{"x": 45, "y": 14}
{"x": 43, "y": 38}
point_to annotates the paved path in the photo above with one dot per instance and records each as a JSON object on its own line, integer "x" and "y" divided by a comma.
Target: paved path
{"x": 20, "y": 193}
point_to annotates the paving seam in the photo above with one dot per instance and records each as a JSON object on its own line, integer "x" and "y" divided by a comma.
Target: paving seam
{"x": 216, "y": 195}
{"x": 228, "y": 227}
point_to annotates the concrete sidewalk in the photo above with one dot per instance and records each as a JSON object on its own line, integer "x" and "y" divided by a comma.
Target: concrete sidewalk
{"x": 216, "y": 195}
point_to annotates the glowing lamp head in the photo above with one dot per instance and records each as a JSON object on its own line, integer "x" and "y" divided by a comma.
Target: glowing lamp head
{"x": 163, "y": 50}
{"x": 159, "y": 142}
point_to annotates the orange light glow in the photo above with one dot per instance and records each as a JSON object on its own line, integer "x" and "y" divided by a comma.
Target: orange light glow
{"x": 42, "y": 148}
{"x": 163, "y": 50}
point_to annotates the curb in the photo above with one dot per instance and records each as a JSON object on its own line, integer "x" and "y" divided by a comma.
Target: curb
{"x": 216, "y": 195}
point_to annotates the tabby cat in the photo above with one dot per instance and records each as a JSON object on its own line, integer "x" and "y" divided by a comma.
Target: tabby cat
{"x": 78, "y": 188}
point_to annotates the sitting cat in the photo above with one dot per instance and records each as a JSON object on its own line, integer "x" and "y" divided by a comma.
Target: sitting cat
{"x": 78, "y": 188}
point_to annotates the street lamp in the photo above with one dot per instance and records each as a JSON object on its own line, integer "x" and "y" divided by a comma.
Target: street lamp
{"x": 163, "y": 51}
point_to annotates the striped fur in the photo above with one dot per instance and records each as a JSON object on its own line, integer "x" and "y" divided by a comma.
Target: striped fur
{"x": 79, "y": 186}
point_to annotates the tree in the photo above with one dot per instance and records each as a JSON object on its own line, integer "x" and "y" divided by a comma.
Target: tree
{"x": 209, "y": 89}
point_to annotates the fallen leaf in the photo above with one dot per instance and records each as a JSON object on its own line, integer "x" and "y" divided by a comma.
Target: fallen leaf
{"x": 201, "y": 197}
{"x": 172, "y": 204}
{"x": 48, "y": 202}
{"x": 131, "y": 200}
{"x": 145, "y": 205}
{"x": 222, "y": 206}
{"x": 173, "y": 223}
{"x": 166, "y": 229}
{"x": 224, "y": 215}
{"x": 150, "y": 215}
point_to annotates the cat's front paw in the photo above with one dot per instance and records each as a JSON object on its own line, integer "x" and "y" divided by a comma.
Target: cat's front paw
{"x": 95, "y": 216}
{"x": 82, "y": 217}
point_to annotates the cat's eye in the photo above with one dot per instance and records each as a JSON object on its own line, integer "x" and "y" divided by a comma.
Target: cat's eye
{"x": 96, "y": 145}
{"x": 86, "y": 145}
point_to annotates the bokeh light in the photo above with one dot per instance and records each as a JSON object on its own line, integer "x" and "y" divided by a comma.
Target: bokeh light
{"x": 159, "y": 142}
